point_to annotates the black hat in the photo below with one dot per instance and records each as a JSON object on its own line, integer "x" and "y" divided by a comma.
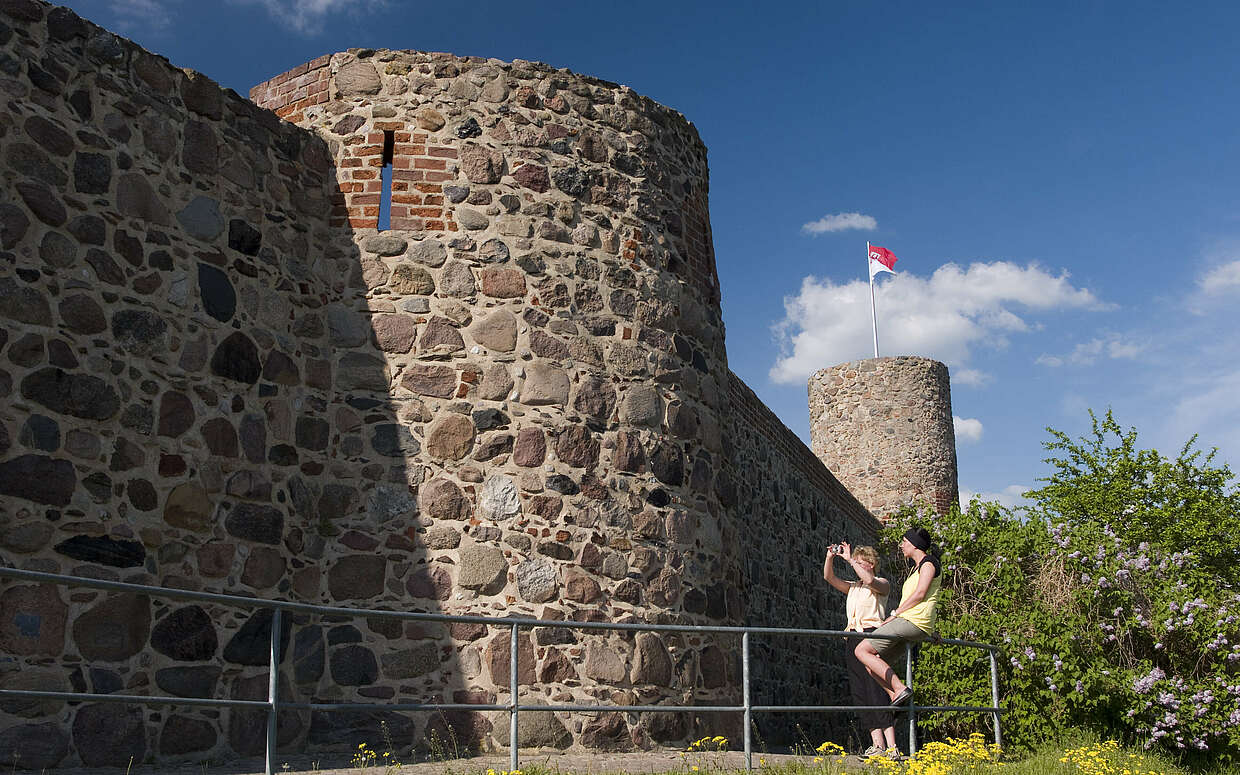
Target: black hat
{"x": 918, "y": 537}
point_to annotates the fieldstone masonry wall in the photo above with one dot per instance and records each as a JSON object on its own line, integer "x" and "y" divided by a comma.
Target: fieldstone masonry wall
{"x": 884, "y": 427}
{"x": 216, "y": 373}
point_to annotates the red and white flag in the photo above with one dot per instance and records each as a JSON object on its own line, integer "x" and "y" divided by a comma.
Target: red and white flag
{"x": 881, "y": 260}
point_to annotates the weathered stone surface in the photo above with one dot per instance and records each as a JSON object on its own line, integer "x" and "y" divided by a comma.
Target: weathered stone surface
{"x": 189, "y": 508}
{"x": 651, "y": 662}
{"x": 186, "y": 634}
{"x": 393, "y": 440}
{"x": 38, "y": 478}
{"x": 430, "y": 119}
{"x": 456, "y": 280}
{"x": 433, "y": 583}
{"x": 255, "y": 522}
{"x": 23, "y": 304}
{"x": 176, "y": 414}
{"x": 363, "y": 372}
{"x": 577, "y": 447}
{"x": 496, "y": 383}
{"x": 114, "y": 629}
{"x": 251, "y": 645}
{"x": 34, "y": 746}
{"x": 497, "y": 331}
{"x": 263, "y": 568}
{"x": 382, "y": 244}
{"x": 430, "y": 379}
{"x": 344, "y": 730}
{"x": 545, "y": 384}
{"x": 537, "y": 581}
{"x": 43, "y": 202}
{"x": 482, "y": 568}
{"x": 136, "y": 199}
{"x": 13, "y": 225}
{"x": 337, "y": 501}
{"x": 481, "y": 164}
{"x": 357, "y": 577}
{"x": 358, "y": 77}
{"x": 107, "y": 735}
{"x": 499, "y": 659}
{"x": 201, "y": 218}
{"x": 27, "y": 537}
{"x": 530, "y": 448}
{"x": 667, "y": 463}
{"x": 499, "y": 499}
{"x": 580, "y": 586}
{"x": 237, "y": 359}
{"x": 418, "y": 660}
{"x": 31, "y": 678}
{"x": 104, "y": 550}
{"x": 440, "y": 336}
{"x": 395, "y": 333}
{"x": 219, "y": 299}
{"x": 442, "y": 499}
{"x": 607, "y": 732}
{"x": 595, "y": 398}
{"x": 629, "y": 455}
{"x": 641, "y": 405}
{"x": 309, "y": 655}
{"x": 502, "y": 282}
{"x": 387, "y": 502}
{"x": 532, "y": 176}
{"x": 535, "y": 730}
{"x": 32, "y": 621}
{"x": 604, "y": 663}
{"x": 220, "y": 437}
{"x": 185, "y": 734}
{"x": 354, "y": 665}
{"x": 428, "y": 251}
{"x": 411, "y": 280}
{"x": 451, "y": 437}
{"x": 82, "y": 314}
{"x": 188, "y": 681}
{"x": 281, "y": 369}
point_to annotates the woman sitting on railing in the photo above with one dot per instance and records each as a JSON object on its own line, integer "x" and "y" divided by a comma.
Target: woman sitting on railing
{"x": 864, "y": 607}
{"x": 912, "y": 621}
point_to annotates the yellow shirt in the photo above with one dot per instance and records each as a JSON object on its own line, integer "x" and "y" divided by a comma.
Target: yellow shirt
{"x": 922, "y": 614}
{"x": 863, "y": 607}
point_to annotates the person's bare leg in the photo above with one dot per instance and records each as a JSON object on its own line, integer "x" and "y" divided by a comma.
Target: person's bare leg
{"x": 890, "y": 734}
{"x": 876, "y": 737}
{"x": 878, "y": 669}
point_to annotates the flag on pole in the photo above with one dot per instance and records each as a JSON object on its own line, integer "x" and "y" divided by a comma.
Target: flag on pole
{"x": 881, "y": 260}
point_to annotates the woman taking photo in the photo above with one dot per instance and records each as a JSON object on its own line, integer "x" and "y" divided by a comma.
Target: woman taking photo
{"x": 912, "y": 621}
{"x": 864, "y": 606}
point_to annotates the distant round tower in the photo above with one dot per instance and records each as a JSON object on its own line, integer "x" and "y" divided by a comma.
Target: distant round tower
{"x": 883, "y": 426}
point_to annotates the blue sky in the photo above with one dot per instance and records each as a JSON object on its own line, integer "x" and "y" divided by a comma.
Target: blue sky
{"x": 1059, "y": 181}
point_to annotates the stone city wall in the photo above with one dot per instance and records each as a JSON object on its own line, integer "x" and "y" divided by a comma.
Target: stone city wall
{"x": 218, "y": 374}
{"x": 884, "y": 427}
{"x": 792, "y": 508}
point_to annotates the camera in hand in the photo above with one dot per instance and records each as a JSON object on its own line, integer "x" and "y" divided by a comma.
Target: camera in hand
{"x": 837, "y": 549}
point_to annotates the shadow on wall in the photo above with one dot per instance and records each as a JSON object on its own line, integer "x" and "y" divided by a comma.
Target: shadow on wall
{"x": 194, "y": 397}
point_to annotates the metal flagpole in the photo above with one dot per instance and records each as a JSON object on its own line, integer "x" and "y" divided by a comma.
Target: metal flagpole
{"x": 873, "y": 314}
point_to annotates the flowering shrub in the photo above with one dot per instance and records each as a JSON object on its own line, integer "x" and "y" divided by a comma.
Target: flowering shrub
{"x": 1125, "y": 638}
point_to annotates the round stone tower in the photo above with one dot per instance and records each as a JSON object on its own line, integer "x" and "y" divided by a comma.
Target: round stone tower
{"x": 883, "y": 426}
{"x": 546, "y": 299}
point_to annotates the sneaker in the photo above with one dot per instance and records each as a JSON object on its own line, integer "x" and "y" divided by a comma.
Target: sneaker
{"x": 893, "y": 754}
{"x": 874, "y": 750}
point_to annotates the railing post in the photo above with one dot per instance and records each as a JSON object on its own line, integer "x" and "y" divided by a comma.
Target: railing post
{"x": 748, "y": 703}
{"x": 273, "y": 688}
{"x": 513, "y": 757}
{"x": 912, "y": 713}
{"x": 994, "y": 696}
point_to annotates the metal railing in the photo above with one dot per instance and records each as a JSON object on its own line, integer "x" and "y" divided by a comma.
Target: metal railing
{"x": 273, "y": 704}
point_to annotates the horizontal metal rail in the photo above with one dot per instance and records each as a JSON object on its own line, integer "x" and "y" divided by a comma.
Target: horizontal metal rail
{"x": 273, "y": 704}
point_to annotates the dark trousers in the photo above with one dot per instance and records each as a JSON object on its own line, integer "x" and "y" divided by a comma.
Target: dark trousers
{"x": 865, "y": 690}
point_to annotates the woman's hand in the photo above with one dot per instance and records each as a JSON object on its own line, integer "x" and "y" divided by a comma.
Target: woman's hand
{"x": 846, "y": 551}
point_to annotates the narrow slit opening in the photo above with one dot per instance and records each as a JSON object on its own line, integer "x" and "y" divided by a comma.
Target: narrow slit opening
{"x": 385, "y": 175}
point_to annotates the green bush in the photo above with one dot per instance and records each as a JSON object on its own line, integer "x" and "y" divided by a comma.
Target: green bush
{"x": 1112, "y": 597}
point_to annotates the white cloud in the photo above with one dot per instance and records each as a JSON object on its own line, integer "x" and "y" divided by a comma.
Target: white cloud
{"x": 1209, "y": 408}
{"x": 1009, "y": 496}
{"x": 945, "y": 316}
{"x": 1086, "y": 353}
{"x": 841, "y": 222}
{"x": 1221, "y": 279}
{"x": 968, "y": 429}
{"x": 132, "y": 14}
{"x": 306, "y": 17}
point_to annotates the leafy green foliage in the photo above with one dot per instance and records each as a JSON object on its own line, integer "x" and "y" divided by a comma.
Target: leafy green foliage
{"x": 1116, "y": 613}
{"x": 1179, "y": 505}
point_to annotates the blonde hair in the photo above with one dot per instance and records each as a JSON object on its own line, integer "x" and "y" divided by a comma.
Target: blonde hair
{"x": 867, "y": 553}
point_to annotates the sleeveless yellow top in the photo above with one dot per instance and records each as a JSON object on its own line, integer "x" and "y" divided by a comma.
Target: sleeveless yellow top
{"x": 922, "y": 614}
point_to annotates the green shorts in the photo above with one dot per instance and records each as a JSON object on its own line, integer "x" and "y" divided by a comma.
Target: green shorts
{"x": 906, "y": 632}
